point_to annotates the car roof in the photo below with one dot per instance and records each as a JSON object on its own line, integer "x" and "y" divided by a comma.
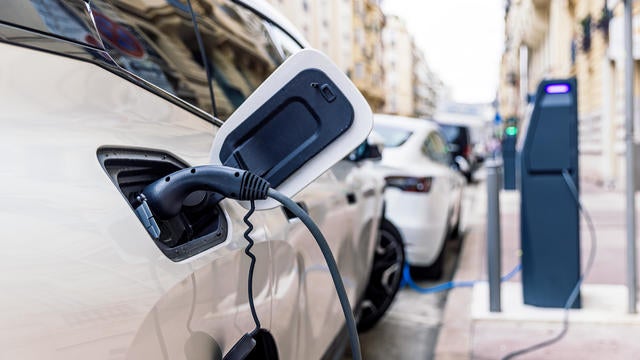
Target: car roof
{"x": 269, "y": 12}
{"x": 405, "y": 122}
{"x": 461, "y": 120}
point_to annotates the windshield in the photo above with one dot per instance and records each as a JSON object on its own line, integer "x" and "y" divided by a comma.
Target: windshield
{"x": 392, "y": 136}
{"x": 450, "y": 132}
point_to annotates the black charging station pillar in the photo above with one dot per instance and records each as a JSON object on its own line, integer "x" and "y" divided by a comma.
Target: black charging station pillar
{"x": 549, "y": 214}
{"x": 509, "y": 161}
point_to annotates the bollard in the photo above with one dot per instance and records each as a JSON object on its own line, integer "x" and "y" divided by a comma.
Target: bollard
{"x": 493, "y": 234}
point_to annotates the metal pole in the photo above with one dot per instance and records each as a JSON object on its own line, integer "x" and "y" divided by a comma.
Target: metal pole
{"x": 630, "y": 191}
{"x": 493, "y": 234}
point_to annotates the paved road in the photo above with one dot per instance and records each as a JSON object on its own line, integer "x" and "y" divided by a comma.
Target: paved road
{"x": 410, "y": 328}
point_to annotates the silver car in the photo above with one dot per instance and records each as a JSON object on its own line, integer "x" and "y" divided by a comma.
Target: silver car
{"x": 100, "y": 99}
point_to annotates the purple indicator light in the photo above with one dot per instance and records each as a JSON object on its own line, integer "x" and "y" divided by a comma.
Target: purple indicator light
{"x": 556, "y": 89}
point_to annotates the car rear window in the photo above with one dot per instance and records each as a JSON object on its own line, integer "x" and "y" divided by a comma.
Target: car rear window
{"x": 392, "y": 136}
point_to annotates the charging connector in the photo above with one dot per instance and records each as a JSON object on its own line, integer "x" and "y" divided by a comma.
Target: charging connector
{"x": 165, "y": 196}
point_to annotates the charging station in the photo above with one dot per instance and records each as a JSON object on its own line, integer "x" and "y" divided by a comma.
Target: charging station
{"x": 549, "y": 212}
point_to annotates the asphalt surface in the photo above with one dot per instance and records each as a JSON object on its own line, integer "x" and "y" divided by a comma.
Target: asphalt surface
{"x": 410, "y": 328}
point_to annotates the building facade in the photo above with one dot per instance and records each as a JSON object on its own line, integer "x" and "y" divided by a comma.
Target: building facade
{"x": 427, "y": 86}
{"x": 367, "y": 71}
{"x": 398, "y": 64}
{"x": 581, "y": 38}
{"x": 326, "y": 24}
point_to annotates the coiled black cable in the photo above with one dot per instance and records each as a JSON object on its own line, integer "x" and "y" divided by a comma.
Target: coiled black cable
{"x": 247, "y": 250}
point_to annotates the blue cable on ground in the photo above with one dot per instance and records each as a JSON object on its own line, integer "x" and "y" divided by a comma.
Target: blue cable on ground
{"x": 407, "y": 280}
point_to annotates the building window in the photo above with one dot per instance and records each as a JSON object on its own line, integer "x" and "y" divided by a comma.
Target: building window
{"x": 359, "y": 72}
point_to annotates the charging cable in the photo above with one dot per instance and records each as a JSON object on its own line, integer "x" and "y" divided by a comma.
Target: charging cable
{"x": 252, "y": 265}
{"x": 406, "y": 278}
{"x": 576, "y": 289}
{"x": 164, "y": 198}
{"x": 331, "y": 264}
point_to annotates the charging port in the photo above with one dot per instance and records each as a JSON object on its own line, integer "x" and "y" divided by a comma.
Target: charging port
{"x": 201, "y": 223}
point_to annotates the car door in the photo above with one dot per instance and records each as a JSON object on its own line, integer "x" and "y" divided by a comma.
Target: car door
{"x": 346, "y": 203}
{"x": 89, "y": 282}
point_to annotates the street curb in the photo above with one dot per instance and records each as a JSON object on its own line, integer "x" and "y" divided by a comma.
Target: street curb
{"x": 455, "y": 336}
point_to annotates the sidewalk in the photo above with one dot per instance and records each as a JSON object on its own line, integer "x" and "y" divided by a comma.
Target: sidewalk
{"x": 601, "y": 330}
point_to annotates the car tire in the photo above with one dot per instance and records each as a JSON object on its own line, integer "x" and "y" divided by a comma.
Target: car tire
{"x": 455, "y": 233}
{"x": 431, "y": 272}
{"x": 385, "y": 278}
{"x": 469, "y": 177}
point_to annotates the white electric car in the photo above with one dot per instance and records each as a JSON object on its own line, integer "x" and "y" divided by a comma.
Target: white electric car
{"x": 423, "y": 193}
{"x": 100, "y": 99}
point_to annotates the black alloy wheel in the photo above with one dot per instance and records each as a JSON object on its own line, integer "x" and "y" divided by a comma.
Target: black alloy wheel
{"x": 386, "y": 275}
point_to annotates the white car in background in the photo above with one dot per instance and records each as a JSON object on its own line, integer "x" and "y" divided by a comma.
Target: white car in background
{"x": 423, "y": 193}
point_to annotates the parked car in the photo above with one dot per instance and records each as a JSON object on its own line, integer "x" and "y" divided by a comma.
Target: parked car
{"x": 423, "y": 196}
{"x": 458, "y": 137}
{"x": 100, "y": 99}
{"x": 468, "y": 137}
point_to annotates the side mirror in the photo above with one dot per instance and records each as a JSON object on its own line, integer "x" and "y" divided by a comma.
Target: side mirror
{"x": 370, "y": 149}
{"x": 302, "y": 120}
{"x": 462, "y": 164}
{"x": 365, "y": 151}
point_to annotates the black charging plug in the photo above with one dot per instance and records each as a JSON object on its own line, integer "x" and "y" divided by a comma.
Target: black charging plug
{"x": 165, "y": 196}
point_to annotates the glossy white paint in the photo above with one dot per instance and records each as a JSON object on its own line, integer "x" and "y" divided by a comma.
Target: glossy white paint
{"x": 423, "y": 219}
{"x": 82, "y": 279}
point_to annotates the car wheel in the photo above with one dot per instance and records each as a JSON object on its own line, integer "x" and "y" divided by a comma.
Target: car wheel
{"x": 469, "y": 177}
{"x": 386, "y": 275}
{"x": 431, "y": 272}
{"x": 454, "y": 234}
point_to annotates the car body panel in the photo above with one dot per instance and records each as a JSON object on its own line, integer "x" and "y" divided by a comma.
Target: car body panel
{"x": 87, "y": 281}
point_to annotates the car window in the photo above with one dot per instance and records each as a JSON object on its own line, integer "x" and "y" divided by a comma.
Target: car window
{"x": 155, "y": 41}
{"x": 392, "y": 136}
{"x": 64, "y": 19}
{"x": 450, "y": 132}
{"x": 242, "y": 52}
{"x": 435, "y": 148}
